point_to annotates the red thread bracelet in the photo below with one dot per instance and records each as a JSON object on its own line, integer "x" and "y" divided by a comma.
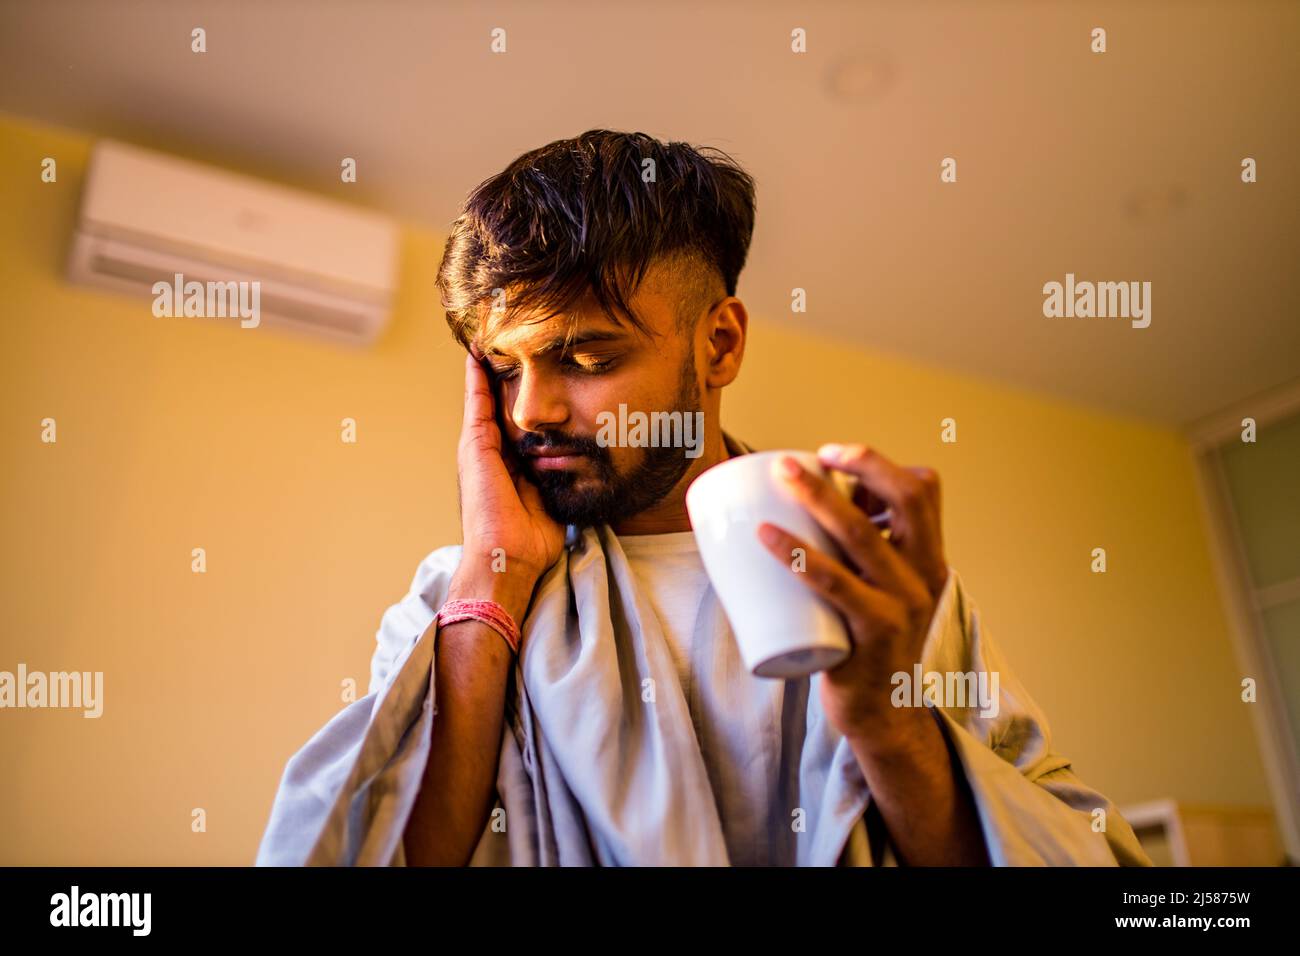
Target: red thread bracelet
{"x": 487, "y": 612}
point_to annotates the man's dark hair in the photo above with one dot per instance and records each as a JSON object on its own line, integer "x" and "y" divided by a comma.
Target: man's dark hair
{"x": 576, "y": 217}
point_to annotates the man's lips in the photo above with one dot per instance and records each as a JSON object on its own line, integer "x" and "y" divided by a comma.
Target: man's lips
{"x": 550, "y": 458}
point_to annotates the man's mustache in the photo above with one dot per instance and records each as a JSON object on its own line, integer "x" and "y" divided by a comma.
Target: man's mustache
{"x": 534, "y": 442}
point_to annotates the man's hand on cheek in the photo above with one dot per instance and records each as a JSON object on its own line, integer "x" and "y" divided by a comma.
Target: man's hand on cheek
{"x": 886, "y": 590}
{"x": 509, "y": 539}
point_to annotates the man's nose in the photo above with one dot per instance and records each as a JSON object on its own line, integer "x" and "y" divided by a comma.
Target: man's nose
{"x": 539, "y": 402}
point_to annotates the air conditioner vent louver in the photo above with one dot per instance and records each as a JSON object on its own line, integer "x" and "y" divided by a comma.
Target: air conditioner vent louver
{"x": 323, "y": 267}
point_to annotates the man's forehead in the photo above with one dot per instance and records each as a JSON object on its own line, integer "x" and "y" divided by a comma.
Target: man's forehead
{"x": 538, "y": 338}
{"x": 587, "y": 323}
{"x": 654, "y": 302}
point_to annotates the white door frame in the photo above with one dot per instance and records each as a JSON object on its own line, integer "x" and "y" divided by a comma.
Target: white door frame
{"x": 1242, "y": 599}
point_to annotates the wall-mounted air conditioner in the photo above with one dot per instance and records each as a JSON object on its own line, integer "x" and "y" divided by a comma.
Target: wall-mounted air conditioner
{"x": 323, "y": 267}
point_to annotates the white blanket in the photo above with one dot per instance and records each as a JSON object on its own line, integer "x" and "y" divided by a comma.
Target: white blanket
{"x": 591, "y": 772}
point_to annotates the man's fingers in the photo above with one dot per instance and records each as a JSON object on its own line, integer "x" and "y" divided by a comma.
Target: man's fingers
{"x": 851, "y": 529}
{"x": 874, "y": 505}
{"x": 880, "y": 476}
{"x": 929, "y": 478}
{"x": 480, "y": 453}
{"x": 478, "y": 395}
{"x": 913, "y": 498}
{"x": 861, "y": 604}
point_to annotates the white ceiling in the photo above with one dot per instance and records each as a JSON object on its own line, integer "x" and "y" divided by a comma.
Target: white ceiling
{"x": 1120, "y": 166}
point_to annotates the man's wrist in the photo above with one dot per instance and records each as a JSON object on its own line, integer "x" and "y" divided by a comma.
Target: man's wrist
{"x": 512, "y": 593}
{"x": 896, "y": 734}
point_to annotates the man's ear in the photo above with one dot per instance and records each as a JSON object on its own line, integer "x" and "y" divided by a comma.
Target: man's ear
{"x": 728, "y": 325}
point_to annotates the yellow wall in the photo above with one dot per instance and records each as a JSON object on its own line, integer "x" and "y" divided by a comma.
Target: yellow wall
{"x": 182, "y": 433}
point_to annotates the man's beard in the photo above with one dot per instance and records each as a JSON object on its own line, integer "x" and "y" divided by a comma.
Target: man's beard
{"x": 616, "y": 496}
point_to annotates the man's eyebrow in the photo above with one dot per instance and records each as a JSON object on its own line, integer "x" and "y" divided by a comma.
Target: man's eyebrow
{"x": 580, "y": 338}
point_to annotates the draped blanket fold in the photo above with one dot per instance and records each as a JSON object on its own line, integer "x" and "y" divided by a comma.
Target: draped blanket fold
{"x": 603, "y": 762}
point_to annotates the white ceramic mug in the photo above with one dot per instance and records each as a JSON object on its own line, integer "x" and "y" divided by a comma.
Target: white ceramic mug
{"x": 782, "y": 627}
